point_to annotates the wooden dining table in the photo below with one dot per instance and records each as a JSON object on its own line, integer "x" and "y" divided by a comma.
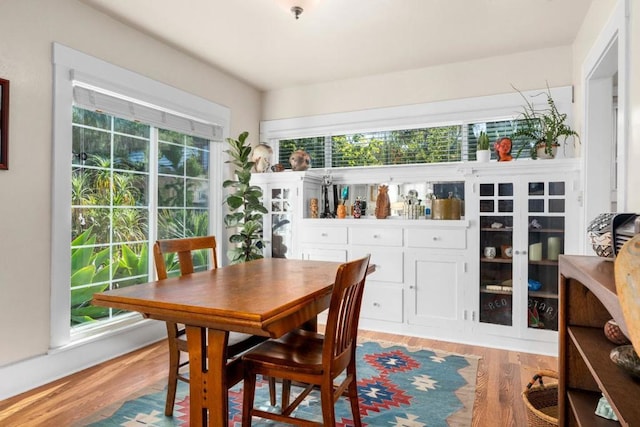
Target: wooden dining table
{"x": 267, "y": 297}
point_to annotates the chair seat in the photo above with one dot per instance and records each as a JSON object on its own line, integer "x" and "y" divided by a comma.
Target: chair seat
{"x": 300, "y": 351}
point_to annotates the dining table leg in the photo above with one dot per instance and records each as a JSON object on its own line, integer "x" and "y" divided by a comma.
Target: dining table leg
{"x": 208, "y": 391}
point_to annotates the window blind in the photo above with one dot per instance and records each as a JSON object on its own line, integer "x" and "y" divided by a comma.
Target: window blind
{"x": 127, "y": 108}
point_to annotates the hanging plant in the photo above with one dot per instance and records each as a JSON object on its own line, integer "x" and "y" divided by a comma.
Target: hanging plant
{"x": 245, "y": 208}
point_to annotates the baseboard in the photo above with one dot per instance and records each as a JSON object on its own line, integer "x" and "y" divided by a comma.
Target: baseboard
{"x": 31, "y": 373}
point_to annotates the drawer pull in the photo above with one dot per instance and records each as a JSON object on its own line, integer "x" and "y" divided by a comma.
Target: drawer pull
{"x": 375, "y": 304}
{"x": 436, "y": 238}
{"x": 376, "y": 236}
{"x": 323, "y": 234}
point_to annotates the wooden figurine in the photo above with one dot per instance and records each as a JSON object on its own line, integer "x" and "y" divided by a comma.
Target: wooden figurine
{"x": 383, "y": 206}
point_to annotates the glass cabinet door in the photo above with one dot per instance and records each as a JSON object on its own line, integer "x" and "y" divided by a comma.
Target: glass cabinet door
{"x": 281, "y": 215}
{"x": 546, "y": 227}
{"x": 496, "y": 246}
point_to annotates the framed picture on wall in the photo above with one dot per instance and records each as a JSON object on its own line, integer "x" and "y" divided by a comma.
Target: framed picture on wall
{"x": 4, "y": 124}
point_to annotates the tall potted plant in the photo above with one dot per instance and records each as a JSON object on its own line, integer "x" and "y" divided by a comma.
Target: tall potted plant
{"x": 539, "y": 130}
{"x": 245, "y": 207}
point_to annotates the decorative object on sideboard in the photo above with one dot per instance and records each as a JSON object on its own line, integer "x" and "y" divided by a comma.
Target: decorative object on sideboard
{"x": 383, "y": 205}
{"x": 540, "y": 129}
{"x": 313, "y": 207}
{"x": 614, "y": 334}
{"x": 326, "y": 209}
{"x": 261, "y": 157}
{"x": 449, "y": 208}
{"x": 341, "y": 212}
{"x": 278, "y": 167}
{"x": 483, "y": 153}
{"x": 503, "y": 149}
{"x": 300, "y": 160}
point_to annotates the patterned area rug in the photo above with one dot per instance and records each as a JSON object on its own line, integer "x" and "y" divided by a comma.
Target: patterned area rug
{"x": 398, "y": 386}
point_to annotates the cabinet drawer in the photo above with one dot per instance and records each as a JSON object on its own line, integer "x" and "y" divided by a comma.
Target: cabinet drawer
{"x": 376, "y": 236}
{"x": 437, "y": 238}
{"x": 333, "y": 255}
{"x": 388, "y": 262}
{"x": 381, "y": 302}
{"x": 332, "y": 235}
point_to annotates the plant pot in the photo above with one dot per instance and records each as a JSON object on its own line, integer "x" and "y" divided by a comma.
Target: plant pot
{"x": 542, "y": 154}
{"x": 483, "y": 156}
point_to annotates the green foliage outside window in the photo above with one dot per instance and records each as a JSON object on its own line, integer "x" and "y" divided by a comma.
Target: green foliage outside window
{"x": 411, "y": 146}
{"x": 110, "y": 211}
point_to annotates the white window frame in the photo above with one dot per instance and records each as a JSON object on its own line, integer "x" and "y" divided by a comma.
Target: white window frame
{"x": 69, "y": 64}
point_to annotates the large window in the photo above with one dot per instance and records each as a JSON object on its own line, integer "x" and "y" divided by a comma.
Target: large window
{"x": 112, "y": 202}
{"x": 132, "y": 163}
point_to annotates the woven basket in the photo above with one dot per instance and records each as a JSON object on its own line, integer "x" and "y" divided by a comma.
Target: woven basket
{"x": 541, "y": 401}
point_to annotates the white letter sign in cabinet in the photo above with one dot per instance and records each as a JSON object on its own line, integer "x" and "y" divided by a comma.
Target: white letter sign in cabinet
{"x": 489, "y": 278}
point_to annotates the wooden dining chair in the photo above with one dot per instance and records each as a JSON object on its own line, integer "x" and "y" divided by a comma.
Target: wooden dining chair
{"x": 176, "y": 336}
{"x": 311, "y": 358}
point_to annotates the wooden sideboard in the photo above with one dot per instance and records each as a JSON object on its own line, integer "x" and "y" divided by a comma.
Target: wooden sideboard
{"x": 587, "y": 301}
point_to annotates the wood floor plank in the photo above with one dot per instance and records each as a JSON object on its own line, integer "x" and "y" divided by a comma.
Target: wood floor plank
{"x": 501, "y": 378}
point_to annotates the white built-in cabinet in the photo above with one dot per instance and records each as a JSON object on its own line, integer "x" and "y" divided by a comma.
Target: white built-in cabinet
{"x": 431, "y": 276}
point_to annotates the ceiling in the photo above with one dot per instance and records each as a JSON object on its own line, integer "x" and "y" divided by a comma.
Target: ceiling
{"x": 260, "y": 41}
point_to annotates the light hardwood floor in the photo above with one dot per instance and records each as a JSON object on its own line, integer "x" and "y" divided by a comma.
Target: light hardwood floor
{"x": 502, "y": 376}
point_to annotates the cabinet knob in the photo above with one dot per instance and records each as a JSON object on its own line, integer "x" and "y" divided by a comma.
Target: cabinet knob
{"x": 524, "y": 252}
{"x": 435, "y": 238}
{"x": 411, "y": 287}
{"x": 375, "y": 304}
{"x": 323, "y": 234}
{"x": 376, "y": 236}
{"x": 516, "y": 252}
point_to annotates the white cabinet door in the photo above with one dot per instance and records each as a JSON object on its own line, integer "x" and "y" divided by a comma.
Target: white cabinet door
{"x": 435, "y": 290}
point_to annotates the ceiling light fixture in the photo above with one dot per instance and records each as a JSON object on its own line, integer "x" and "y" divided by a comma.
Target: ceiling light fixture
{"x": 297, "y": 6}
{"x": 297, "y": 11}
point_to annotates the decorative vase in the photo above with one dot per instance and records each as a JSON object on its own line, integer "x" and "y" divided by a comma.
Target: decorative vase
{"x": 483, "y": 156}
{"x": 341, "y": 211}
{"x": 383, "y": 206}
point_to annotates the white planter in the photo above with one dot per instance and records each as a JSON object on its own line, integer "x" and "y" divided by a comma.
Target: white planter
{"x": 483, "y": 155}
{"x": 543, "y": 155}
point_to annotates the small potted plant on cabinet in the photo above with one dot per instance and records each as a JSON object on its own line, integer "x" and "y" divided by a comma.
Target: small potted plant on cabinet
{"x": 245, "y": 207}
{"x": 541, "y": 130}
{"x": 483, "y": 153}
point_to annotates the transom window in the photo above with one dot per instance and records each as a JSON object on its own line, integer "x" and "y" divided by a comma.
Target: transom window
{"x": 441, "y": 144}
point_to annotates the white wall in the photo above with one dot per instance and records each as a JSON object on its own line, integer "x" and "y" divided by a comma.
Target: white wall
{"x": 27, "y": 30}
{"x": 526, "y": 70}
